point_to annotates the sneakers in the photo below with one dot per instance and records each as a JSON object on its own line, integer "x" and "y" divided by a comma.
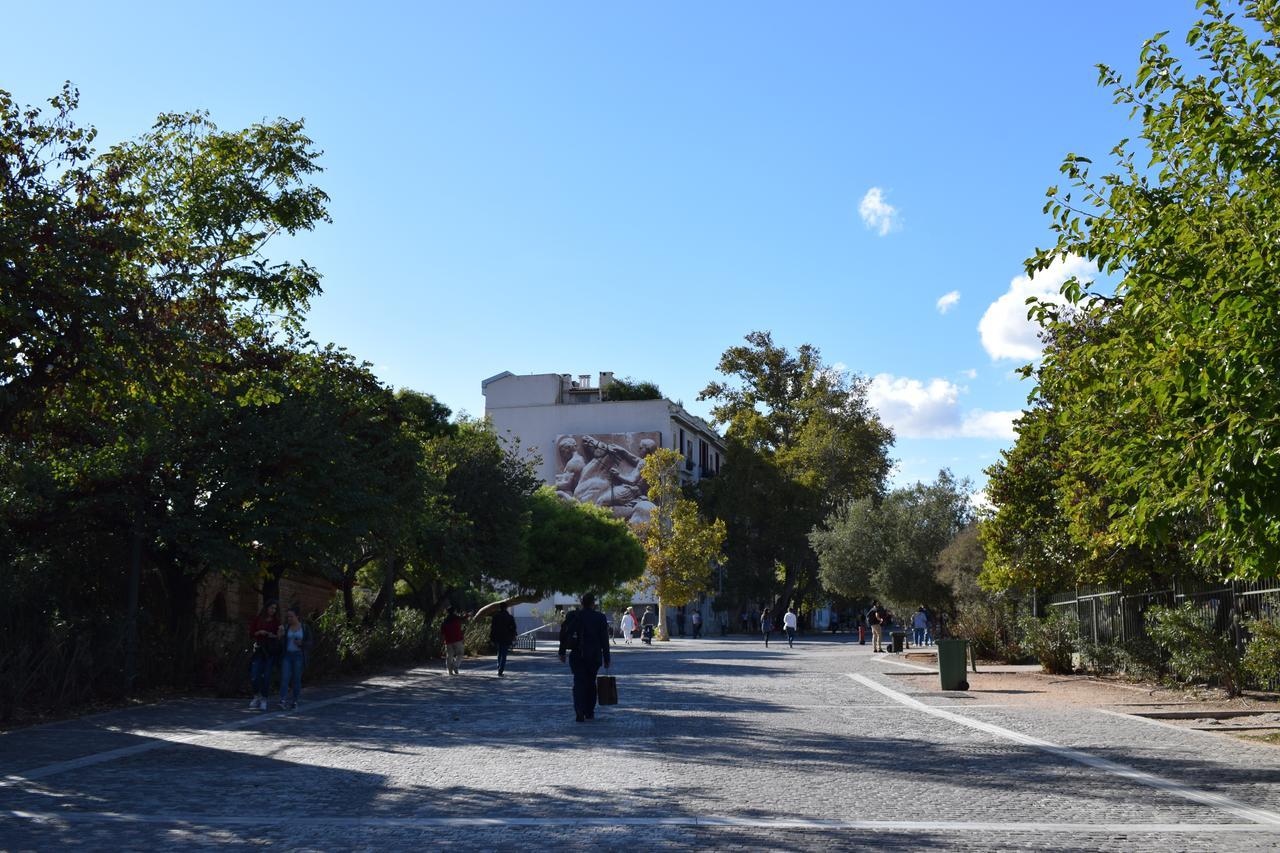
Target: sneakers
{"x": 253, "y": 703}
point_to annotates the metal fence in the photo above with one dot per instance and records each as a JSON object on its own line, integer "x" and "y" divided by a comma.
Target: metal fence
{"x": 1119, "y": 616}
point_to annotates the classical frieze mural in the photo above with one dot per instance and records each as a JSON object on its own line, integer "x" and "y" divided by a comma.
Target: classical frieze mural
{"x": 606, "y": 470}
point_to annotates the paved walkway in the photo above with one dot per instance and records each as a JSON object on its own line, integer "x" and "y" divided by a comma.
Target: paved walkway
{"x": 716, "y": 743}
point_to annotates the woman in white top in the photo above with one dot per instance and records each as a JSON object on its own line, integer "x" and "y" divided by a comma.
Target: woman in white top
{"x": 295, "y": 641}
{"x": 789, "y": 623}
{"x": 628, "y": 625}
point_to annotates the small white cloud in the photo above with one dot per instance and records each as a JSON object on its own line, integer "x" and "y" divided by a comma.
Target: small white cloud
{"x": 980, "y": 424}
{"x": 969, "y": 374}
{"x": 1006, "y": 332}
{"x": 981, "y": 503}
{"x": 917, "y": 409}
{"x": 948, "y": 301}
{"x": 876, "y": 213}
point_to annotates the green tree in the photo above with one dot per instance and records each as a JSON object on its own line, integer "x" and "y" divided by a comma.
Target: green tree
{"x": 572, "y": 548}
{"x": 632, "y": 389}
{"x": 681, "y": 548}
{"x": 474, "y": 537}
{"x": 890, "y": 550}
{"x": 1172, "y": 412}
{"x": 801, "y": 440}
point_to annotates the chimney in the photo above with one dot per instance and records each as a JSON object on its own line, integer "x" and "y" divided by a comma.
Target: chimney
{"x": 584, "y": 380}
{"x": 606, "y": 379}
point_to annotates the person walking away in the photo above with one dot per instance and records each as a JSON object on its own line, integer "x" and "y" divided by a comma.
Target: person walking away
{"x": 766, "y": 625}
{"x": 628, "y": 625}
{"x": 296, "y": 638}
{"x": 876, "y": 616}
{"x": 584, "y": 638}
{"x": 696, "y": 620}
{"x": 919, "y": 626}
{"x": 264, "y": 631}
{"x": 502, "y": 631}
{"x": 451, "y": 631}
{"x": 789, "y": 622}
{"x": 648, "y": 624}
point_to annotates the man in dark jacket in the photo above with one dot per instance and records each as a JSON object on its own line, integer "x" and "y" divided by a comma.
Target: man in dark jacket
{"x": 584, "y": 636}
{"x": 502, "y": 631}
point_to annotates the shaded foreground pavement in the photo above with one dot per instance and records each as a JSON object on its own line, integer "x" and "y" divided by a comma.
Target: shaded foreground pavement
{"x": 716, "y": 744}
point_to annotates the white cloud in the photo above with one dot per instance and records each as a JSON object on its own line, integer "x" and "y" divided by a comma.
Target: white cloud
{"x": 948, "y": 301}
{"x": 982, "y": 424}
{"x": 1006, "y": 332}
{"x": 969, "y": 374}
{"x": 876, "y": 213}
{"x": 916, "y": 409}
{"x": 981, "y": 503}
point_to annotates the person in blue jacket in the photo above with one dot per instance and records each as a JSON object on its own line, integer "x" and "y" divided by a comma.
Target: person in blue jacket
{"x": 584, "y": 637}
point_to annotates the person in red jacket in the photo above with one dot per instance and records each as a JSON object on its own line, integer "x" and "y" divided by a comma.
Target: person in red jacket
{"x": 451, "y": 630}
{"x": 264, "y": 631}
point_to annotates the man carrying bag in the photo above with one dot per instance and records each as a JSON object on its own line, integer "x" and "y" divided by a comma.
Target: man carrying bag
{"x": 584, "y": 637}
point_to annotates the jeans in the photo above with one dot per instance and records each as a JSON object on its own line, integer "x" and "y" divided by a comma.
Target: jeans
{"x": 584, "y": 686}
{"x": 290, "y": 676}
{"x": 453, "y": 656}
{"x": 503, "y": 648}
{"x": 260, "y": 669}
{"x": 919, "y": 636}
{"x": 791, "y": 636}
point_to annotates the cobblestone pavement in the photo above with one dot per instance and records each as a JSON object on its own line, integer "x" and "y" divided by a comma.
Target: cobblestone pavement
{"x": 716, "y": 744}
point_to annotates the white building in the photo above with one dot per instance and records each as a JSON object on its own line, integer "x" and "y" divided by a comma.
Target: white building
{"x": 563, "y": 420}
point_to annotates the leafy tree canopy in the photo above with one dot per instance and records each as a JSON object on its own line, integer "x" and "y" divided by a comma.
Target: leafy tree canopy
{"x": 1171, "y": 414}
{"x": 801, "y": 440}
{"x": 890, "y": 550}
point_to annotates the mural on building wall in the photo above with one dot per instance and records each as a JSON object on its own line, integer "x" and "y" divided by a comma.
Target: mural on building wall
{"x": 606, "y": 470}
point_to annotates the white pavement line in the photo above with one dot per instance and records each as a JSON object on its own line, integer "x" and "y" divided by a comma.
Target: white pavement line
{"x": 931, "y": 669}
{"x": 283, "y": 820}
{"x": 157, "y": 740}
{"x": 1218, "y": 801}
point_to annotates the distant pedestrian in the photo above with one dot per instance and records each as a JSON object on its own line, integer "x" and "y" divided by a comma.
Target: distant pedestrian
{"x": 296, "y": 639}
{"x": 789, "y": 622}
{"x": 451, "y": 632}
{"x": 680, "y": 620}
{"x": 746, "y": 621}
{"x": 584, "y": 638}
{"x": 502, "y": 631}
{"x": 766, "y": 625}
{"x": 696, "y": 620}
{"x": 264, "y": 631}
{"x": 628, "y": 625}
{"x": 877, "y": 616}
{"x": 919, "y": 626}
{"x": 648, "y": 624}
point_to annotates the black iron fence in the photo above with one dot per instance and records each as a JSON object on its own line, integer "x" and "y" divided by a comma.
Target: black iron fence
{"x": 1119, "y": 616}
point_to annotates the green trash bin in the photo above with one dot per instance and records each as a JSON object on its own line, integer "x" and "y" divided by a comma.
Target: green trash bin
{"x": 953, "y": 658}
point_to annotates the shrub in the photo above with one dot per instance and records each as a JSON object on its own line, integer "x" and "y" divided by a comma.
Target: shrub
{"x": 1141, "y": 658}
{"x": 1052, "y": 639}
{"x": 990, "y": 626}
{"x": 1262, "y": 654}
{"x": 1196, "y": 653}
{"x": 1101, "y": 658}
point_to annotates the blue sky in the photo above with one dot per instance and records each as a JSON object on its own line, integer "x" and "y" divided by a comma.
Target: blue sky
{"x": 565, "y": 187}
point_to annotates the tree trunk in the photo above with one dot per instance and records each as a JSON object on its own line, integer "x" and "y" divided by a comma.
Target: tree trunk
{"x": 270, "y": 589}
{"x": 663, "y": 636}
{"x": 348, "y": 598}
{"x": 131, "y": 624}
